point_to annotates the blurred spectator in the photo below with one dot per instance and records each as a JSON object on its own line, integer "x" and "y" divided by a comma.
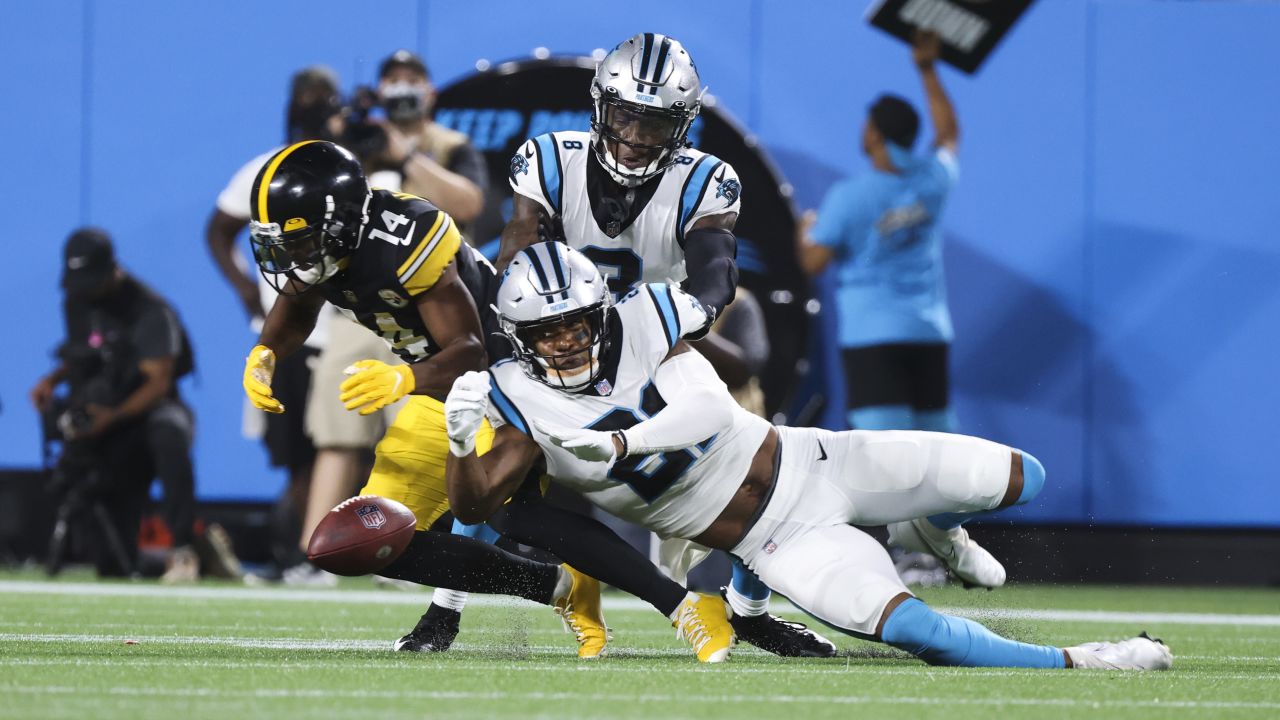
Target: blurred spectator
{"x": 122, "y": 421}
{"x": 882, "y": 230}
{"x": 314, "y": 113}
{"x": 435, "y": 162}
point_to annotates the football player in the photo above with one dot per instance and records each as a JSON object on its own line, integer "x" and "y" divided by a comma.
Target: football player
{"x": 643, "y": 205}
{"x": 620, "y": 409}
{"x": 397, "y": 265}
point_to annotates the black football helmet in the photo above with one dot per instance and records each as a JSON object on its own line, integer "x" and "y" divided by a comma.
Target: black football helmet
{"x": 309, "y": 203}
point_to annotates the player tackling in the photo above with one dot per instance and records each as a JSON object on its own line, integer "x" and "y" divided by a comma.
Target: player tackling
{"x": 624, "y": 413}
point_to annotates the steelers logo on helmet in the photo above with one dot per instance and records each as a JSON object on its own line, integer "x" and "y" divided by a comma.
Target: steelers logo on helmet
{"x": 553, "y": 306}
{"x": 646, "y": 94}
{"x": 308, "y": 205}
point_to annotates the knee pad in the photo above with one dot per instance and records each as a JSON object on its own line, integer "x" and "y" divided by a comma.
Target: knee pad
{"x": 1032, "y": 478}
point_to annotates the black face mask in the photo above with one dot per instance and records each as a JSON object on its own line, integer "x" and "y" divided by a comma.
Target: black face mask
{"x": 311, "y": 122}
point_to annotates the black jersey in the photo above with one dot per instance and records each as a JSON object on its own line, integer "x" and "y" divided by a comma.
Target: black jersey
{"x": 404, "y": 249}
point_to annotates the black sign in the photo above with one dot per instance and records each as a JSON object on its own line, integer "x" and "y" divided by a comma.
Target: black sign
{"x": 969, "y": 29}
{"x": 501, "y": 107}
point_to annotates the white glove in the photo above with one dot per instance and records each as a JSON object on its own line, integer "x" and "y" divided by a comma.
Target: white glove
{"x": 464, "y": 411}
{"x": 589, "y": 445}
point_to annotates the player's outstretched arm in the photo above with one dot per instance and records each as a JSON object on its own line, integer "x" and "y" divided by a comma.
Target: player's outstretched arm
{"x": 521, "y": 230}
{"x": 478, "y": 487}
{"x": 450, "y": 315}
{"x": 698, "y": 406}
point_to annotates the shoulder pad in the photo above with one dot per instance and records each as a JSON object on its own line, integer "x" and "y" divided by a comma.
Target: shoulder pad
{"x": 712, "y": 188}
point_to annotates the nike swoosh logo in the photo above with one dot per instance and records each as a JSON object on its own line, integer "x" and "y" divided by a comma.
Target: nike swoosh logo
{"x": 720, "y": 177}
{"x": 823, "y": 451}
{"x": 528, "y": 152}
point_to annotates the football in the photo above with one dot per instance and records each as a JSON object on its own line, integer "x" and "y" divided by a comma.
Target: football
{"x": 361, "y": 535}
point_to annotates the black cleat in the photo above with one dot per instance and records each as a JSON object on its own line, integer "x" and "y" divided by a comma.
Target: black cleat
{"x": 435, "y": 632}
{"x": 781, "y": 637}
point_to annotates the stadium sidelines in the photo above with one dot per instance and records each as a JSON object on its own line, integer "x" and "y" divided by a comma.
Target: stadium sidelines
{"x": 611, "y": 602}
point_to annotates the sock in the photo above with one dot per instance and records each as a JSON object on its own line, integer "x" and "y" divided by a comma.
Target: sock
{"x": 451, "y": 599}
{"x": 746, "y": 594}
{"x": 454, "y": 599}
{"x": 452, "y": 561}
{"x": 564, "y": 583}
{"x": 591, "y": 547}
{"x": 881, "y": 417}
{"x": 1032, "y": 484}
{"x": 946, "y": 640}
{"x": 479, "y": 531}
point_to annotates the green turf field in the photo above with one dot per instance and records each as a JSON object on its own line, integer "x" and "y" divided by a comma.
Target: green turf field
{"x": 67, "y": 650}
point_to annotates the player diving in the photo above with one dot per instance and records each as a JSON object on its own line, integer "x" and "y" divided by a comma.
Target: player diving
{"x": 620, "y": 408}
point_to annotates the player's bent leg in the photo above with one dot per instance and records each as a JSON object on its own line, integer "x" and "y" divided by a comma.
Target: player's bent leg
{"x": 900, "y": 477}
{"x": 836, "y": 573}
{"x": 590, "y": 546}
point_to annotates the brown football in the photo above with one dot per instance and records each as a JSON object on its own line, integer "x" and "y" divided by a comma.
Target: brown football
{"x": 361, "y": 535}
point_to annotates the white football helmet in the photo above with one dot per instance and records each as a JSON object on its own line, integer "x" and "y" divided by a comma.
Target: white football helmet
{"x": 646, "y": 94}
{"x": 547, "y": 285}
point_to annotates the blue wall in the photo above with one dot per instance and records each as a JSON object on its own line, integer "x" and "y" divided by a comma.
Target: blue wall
{"x": 1109, "y": 250}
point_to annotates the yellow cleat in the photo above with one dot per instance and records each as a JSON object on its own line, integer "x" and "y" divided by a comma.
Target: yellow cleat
{"x": 703, "y": 622}
{"x": 581, "y": 614}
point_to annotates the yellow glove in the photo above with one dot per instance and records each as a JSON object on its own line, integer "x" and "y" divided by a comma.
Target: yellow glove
{"x": 374, "y": 385}
{"x": 259, "y": 367}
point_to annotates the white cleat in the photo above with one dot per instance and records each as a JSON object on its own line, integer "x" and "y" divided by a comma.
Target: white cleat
{"x": 966, "y": 559}
{"x": 1140, "y": 653}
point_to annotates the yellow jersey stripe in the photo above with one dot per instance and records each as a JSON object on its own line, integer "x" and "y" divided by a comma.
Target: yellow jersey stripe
{"x": 427, "y": 238}
{"x": 426, "y": 273}
{"x": 272, "y": 166}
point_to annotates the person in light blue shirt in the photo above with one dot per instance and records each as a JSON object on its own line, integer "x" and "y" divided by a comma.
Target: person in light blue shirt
{"x": 882, "y": 231}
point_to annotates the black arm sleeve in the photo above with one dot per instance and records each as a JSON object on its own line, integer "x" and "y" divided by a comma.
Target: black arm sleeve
{"x": 709, "y": 260}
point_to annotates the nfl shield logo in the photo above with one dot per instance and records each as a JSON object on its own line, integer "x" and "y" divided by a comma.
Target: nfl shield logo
{"x": 371, "y": 516}
{"x": 603, "y": 387}
{"x": 769, "y": 547}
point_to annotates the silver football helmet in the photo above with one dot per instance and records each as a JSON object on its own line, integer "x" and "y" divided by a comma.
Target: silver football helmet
{"x": 646, "y": 94}
{"x": 547, "y": 286}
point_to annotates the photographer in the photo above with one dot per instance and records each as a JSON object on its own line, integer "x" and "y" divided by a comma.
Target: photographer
{"x": 435, "y": 162}
{"x": 122, "y": 422}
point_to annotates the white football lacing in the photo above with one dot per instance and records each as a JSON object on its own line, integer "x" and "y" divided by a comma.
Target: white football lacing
{"x": 689, "y": 627}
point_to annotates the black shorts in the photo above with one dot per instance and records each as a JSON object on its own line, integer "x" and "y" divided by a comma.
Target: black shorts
{"x": 913, "y": 374}
{"x": 286, "y": 437}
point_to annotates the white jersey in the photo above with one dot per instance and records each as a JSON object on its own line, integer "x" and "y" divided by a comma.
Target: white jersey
{"x": 649, "y": 247}
{"x": 675, "y": 494}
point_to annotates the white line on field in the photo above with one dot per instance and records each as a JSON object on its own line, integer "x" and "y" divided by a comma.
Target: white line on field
{"x": 413, "y": 664}
{"x": 293, "y": 693}
{"x": 377, "y": 597}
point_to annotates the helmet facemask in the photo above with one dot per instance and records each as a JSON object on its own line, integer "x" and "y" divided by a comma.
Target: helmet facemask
{"x": 635, "y": 142}
{"x": 294, "y": 261}
{"x": 569, "y": 369}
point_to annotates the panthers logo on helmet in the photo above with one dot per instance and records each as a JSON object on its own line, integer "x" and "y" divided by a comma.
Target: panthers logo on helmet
{"x": 519, "y": 164}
